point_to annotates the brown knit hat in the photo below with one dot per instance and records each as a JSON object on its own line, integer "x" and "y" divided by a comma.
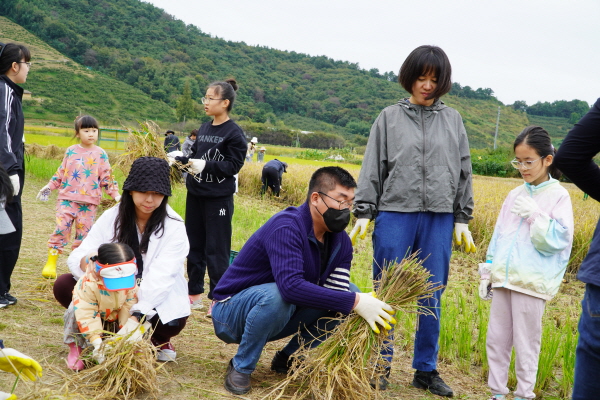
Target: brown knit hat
{"x": 149, "y": 174}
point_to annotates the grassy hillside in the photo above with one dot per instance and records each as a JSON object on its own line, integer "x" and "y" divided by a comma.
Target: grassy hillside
{"x": 61, "y": 88}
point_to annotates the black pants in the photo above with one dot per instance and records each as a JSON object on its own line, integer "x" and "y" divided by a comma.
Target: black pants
{"x": 208, "y": 226}
{"x": 270, "y": 178}
{"x": 10, "y": 243}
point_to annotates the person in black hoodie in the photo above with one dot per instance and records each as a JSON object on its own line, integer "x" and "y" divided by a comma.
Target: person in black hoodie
{"x": 14, "y": 67}
{"x": 216, "y": 156}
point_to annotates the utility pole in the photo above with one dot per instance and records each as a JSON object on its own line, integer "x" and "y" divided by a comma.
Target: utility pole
{"x": 497, "y": 123}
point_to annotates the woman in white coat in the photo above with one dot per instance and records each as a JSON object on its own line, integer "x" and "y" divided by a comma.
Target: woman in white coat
{"x": 156, "y": 233}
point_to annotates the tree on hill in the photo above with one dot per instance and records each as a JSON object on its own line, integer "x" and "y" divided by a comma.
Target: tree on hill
{"x": 186, "y": 108}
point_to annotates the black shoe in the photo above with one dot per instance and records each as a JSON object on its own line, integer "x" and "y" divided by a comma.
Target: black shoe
{"x": 430, "y": 380}
{"x": 281, "y": 363}
{"x": 4, "y": 301}
{"x": 11, "y": 299}
{"x": 236, "y": 382}
{"x": 383, "y": 381}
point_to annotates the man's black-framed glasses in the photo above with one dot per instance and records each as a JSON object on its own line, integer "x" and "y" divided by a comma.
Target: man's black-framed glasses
{"x": 343, "y": 205}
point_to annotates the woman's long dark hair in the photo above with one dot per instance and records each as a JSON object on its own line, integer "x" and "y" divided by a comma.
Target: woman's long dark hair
{"x": 125, "y": 226}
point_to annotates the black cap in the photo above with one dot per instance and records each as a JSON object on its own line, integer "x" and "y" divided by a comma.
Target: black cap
{"x": 149, "y": 174}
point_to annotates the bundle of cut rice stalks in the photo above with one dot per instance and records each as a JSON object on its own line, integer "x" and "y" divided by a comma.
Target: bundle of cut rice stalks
{"x": 129, "y": 369}
{"x": 343, "y": 366}
{"x": 147, "y": 142}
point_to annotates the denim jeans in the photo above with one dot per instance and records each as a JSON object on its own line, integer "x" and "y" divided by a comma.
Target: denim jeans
{"x": 397, "y": 235}
{"x": 587, "y": 357}
{"x": 259, "y": 314}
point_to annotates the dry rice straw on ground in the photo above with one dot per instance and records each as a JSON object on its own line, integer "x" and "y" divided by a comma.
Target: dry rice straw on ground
{"x": 343, "y": 366}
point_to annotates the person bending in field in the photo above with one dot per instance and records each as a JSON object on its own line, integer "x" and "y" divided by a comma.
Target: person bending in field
{"x": 526, "y": 260}
{"x": 83, "y": 173}
{"x": 575, "y": 158}
{"x": 290, "y": 278}
{"x": 103, "y": 295}
{"x": 272, "y": 174}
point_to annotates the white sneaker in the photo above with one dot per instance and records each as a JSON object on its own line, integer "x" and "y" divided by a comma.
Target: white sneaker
{"x": 166, "y": 353}
{"x": 196, "y": 304}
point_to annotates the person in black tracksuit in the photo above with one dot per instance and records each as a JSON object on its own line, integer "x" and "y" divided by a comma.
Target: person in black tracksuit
{"x": 14, "y": 67}
{"x": 271, "y": 176}
{"x": 216, "y": 156}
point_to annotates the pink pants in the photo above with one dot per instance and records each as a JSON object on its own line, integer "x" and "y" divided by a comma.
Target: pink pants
{"x": 515, "y": 320}
{"x": 67, "y": 214}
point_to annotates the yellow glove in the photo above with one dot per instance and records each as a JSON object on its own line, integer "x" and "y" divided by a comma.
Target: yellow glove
{"x": 374, "y": 311}
{"x": 19, "y": 364}
{"x": 360, "y": 228}
{"x": 7, "y": 396}
{"x": 461, "y": 231}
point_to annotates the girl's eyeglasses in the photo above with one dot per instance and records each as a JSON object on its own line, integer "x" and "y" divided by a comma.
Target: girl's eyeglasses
{"x": 206, "y": 100}
{"x": 25, "y": 62}
{"x": 524, "y": 164}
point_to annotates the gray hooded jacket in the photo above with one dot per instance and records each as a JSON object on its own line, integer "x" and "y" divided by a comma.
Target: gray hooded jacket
{"x": 417, "y": 160}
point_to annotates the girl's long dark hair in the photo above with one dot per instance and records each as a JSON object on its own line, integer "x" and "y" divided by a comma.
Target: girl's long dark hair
{"x": 539, "y": 139}
{"x": 125, "y": 226}
{"x": 114, "y": 253}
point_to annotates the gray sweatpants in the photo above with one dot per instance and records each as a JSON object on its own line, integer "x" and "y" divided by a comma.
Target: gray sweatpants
{"x": 515, "y": 321}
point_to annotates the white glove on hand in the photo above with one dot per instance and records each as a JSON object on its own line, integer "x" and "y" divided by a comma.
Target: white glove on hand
{"x": 7, "y": 396}
{"x": 134, "y": 329}
{"x": 360, "y": 229}
{"x": 19, "y": 364}
{"x": 171, "y": 160}
{"x": 118, "y": 198}
{"x": 197, "y": 165}
{"x": 485, "y": 288}
{"x": 43, "y": 194}
{"x": 14, "y": 179}
{"x": 461, "y": 231}
{"x": 97, "y": 353}
{"x": 524, "y": 207}
{"x": 374, "y": 311}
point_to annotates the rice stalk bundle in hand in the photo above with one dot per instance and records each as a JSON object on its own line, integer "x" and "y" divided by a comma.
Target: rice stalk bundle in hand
{"x": 147, "y": 142}
{"x": 343, "y": 365}
{"x": 129, "y": 369}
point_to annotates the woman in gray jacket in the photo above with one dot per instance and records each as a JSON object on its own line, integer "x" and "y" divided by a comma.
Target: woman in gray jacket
{"x": 415, "y": 181}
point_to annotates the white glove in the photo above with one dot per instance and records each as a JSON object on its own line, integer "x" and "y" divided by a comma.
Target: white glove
{"x": 43, "y": 194}
{"x": 7, "y": 396}
{"x": 197, "y": 165}
{"x": 485, "y": 288}
{"x": 524, "y": 207}
{"x": 374, "y": 311}
{"x": 97, "y": 353}
{"x": 14, "y": 179}
{"x": 461, "y": 231}
{"x": 171, "y": 160}
{"x": 134, "y": 329}
{"x": 118, "y": 198}
{"x": 360, "y": 229}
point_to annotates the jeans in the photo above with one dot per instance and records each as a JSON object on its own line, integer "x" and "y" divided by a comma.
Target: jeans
{"x": 259, "y": 314}
{"x": 587, "y": 357}
{"x": 397, "y": 235}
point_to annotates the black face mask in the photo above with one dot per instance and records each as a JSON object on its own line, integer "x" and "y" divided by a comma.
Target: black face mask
{"x": 336, "y": 220}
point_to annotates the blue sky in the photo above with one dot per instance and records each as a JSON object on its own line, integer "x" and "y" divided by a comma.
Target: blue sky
{"x": 528, "y": 50}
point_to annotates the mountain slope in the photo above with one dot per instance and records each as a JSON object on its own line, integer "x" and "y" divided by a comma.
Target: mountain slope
{"x": 61, "y": 88}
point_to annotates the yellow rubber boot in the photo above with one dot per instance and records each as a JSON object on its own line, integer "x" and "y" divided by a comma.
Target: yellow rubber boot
{"x": 49, "y": 270}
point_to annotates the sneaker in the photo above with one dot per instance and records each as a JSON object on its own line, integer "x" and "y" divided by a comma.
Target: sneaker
{"x": 431, "y": 380}
{"x": 236, "y": 382}
{"x": 4, "y": 301}
{"x": 166, "y": 351}
{"x": 281, "y": 363}
{"x": 196, "y": 304}
{"x": 383, "y": 380}
{"x": 209, "y": 312}
{"x": 11, "y": 299}
{"x": 499, "y": 397}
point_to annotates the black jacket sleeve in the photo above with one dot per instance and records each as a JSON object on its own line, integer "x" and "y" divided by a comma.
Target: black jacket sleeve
{"x": 575, "y": 156}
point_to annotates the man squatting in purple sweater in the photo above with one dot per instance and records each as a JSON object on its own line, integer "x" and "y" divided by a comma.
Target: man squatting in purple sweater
{"x": 290, "y": 277}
